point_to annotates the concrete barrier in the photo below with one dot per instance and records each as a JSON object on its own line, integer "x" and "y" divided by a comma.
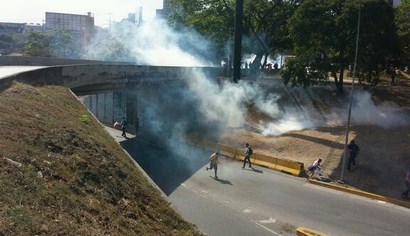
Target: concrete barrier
{"x": 283, "y": 165}
{"x": 362, "y": 193}
{"x": 301, "y": 231}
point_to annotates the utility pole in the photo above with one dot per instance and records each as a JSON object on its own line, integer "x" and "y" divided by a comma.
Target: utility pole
{"x": 351, "y": 99}
{"x": 237, "y": 54}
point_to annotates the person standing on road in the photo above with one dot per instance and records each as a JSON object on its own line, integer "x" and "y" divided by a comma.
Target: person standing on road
{"x": 123, "y": 126}
{"x": 213, "y": 163}
{"x": 405, "y": 194}
{"x": 248, "y": 155}
{"x": 353, "y": 151}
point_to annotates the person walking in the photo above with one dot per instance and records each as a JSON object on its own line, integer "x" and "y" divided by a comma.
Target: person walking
{"x": 353, "y": 151}
{"x": 213, "y": 163}
{"x": 314, "y": 167}
{"x": 248, "y": 155}
{"x": 123, "y": 126}
{"x": 405, "y": 194}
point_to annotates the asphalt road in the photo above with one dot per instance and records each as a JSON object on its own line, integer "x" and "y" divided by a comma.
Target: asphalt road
{"x": 259, "y": 201}
{"x": 254, "y": 201}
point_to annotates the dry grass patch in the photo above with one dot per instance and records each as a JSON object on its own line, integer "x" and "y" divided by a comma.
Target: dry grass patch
{"x": 74, "y": 178}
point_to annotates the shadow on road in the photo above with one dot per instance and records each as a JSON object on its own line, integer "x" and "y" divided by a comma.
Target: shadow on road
{"x": 222, "y": 181}
{"x": 167, "y": 169}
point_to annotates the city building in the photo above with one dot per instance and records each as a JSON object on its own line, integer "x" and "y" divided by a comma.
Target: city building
{"x": 164, "y": 12}
{"x": 135, "y": 18}
{"x": 81, "y": 27}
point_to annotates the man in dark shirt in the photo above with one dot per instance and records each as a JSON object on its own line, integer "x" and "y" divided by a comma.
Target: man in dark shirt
{"x": 123, "y": 126}
{"x": 353, "y": 150}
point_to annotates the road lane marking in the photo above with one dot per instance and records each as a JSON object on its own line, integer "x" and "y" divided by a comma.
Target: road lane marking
{"x": 266, "y": 228}
{"x": 270, "y": 221}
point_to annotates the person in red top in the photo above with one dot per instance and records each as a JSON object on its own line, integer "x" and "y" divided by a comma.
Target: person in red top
{"x": 405, "y": 194}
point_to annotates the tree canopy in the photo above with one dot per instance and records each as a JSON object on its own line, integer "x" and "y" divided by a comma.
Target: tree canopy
{"x": 51, "y": 44}
{"x": 264, "y": 23}
{"x": 324, "y": 34}
{"x": 402, "y": 20}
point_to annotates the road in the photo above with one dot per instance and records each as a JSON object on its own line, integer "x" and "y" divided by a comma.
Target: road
{"x": 6, "y": 71}
{"x": 259, "y": 201}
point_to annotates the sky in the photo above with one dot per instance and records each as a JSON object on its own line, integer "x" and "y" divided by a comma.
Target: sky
{"x": 104, "y": 11}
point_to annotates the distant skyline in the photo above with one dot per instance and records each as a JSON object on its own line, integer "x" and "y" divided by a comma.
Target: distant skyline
{"x": 103, "y": 11}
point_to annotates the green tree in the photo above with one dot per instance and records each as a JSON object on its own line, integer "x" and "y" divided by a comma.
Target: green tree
{"x": 62, "y": 44}
{"x": 264, "y": 24}
{"x": 402, "y": 20}
{"x": 213, "y": 19}
{"x": 6, "y": 43}
{"x": 51, "y": 44}
{"x": 324, "y": 33}
{"x": 37, "y": 44}
{"x": 266, "y": 28}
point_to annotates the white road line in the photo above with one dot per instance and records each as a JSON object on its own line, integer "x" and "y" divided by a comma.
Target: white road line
{"x": 266, "y": 228}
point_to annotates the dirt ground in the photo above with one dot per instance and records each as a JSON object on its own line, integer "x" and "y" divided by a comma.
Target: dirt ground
{"x": 384, "y": 152}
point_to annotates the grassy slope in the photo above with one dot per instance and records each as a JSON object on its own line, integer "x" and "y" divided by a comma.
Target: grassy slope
{"x": 74, "y": 178}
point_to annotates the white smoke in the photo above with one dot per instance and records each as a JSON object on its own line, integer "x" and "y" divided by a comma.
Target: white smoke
{"x": 152, "y": 43}
{"x": 385, "y": 115}
{"x": 225, "y": 103}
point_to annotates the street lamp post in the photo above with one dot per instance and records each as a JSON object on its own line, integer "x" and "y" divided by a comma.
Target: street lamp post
{"x": 351, "y": 99}
{"x": 237, "y": 54}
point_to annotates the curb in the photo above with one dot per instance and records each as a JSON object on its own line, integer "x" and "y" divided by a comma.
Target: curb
{"x": 301, "y": 231}
{"x": 362, "y": 193}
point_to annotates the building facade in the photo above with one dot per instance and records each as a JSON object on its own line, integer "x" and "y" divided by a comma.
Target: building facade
{"x": 81, "y": 27}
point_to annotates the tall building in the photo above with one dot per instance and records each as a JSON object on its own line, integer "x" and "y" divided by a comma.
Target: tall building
{"x": 164, "y": 12}
{"x": 138, "y": 16}
{"x": 80, "y": 26}
{"x": 135, "y": 18}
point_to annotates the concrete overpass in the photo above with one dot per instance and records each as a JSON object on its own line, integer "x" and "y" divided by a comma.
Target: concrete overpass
{"x": 90, "y": 77}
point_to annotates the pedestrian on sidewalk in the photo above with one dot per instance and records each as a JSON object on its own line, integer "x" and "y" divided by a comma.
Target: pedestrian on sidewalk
{"x": 353, "y": 151}
{"x": 405, "y": 194}
{"x": 213, "y": 163}
{"x": 248, "y": 154}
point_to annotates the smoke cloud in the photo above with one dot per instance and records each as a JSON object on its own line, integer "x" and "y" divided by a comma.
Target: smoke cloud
{"x": 207, "y": 106}
{"x": 151, "y": 43}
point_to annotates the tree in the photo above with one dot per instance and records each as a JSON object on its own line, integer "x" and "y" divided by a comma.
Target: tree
{"x": 211, "y": 18}
{"x": 37, "y": 44}
{"x": 264, "y": 25}
{"x": 62, "y": 44}
{"x": 324, "y": 33}
{"x": 402, "y": 20}
{"x": 51, "y": 44}
{"x": 6, "y": 43}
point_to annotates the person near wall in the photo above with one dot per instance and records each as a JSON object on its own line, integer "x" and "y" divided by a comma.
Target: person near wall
{"x": 248, "y": 154}
{"x": 123, "y": 126}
